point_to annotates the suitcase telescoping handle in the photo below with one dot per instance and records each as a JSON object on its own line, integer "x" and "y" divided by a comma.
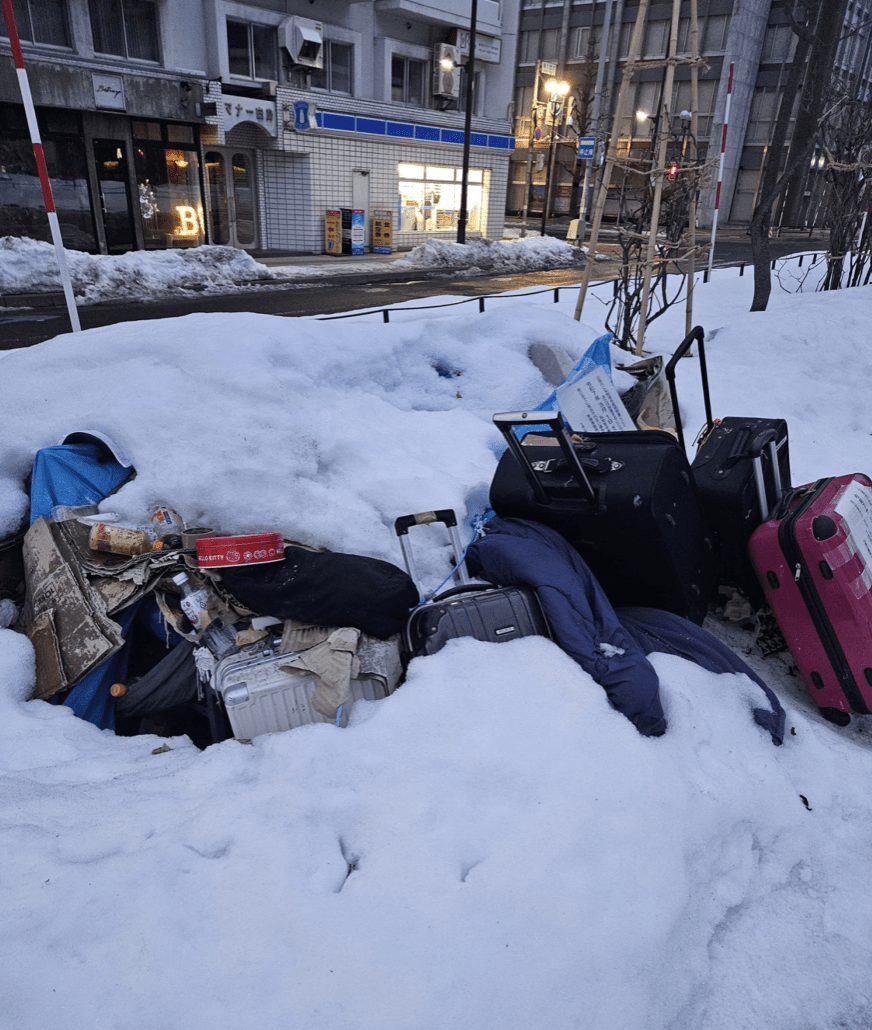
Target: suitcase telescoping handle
{"x": 766, "y": 438}
{"x": 556, "y": 427}
{"x": 697, "y": 334}
{"x": 404, "y": 523}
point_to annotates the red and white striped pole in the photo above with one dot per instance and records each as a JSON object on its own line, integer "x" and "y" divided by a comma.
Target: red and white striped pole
{"x": 38, "y": 153}
{"x": 720, "y": 169}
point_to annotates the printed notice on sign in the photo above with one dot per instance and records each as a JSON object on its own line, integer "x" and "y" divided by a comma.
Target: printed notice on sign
{"x": 591, "y": 404}
{"x": 855, "y": 507}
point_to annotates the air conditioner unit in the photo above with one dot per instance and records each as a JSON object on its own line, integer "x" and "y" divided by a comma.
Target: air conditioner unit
{"x": 268, "y": 89}
{"x": 304, "y": 41}
{"x": 446, "y": 74}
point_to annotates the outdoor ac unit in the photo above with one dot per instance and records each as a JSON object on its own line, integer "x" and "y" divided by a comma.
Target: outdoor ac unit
{"x": 446, "y": 74}
{"x": 304, "y": 41}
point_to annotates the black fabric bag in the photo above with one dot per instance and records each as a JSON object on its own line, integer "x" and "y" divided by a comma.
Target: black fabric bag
{"x": 327, "y": 588}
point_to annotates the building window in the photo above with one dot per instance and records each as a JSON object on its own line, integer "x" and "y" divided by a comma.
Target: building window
{"x": 407, "y": 80}
{"x": 716, "y": 30}
{"x": 252, "y": 50}
{"x": 126, "y": 28}
{"x": 336, "y": 75}
{"x": 22, "y": 205}
{"x": 430, "y": 197}
{"x": 41, "y": 21}
{"x": 168, "y": 179}
{"x": 531, "y": 51}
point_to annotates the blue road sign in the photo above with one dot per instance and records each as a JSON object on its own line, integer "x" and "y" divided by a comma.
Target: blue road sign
{"x": 586, "y": 148}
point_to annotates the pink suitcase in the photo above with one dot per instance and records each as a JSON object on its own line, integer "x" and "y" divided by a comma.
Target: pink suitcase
{"x": 814, "y": 560}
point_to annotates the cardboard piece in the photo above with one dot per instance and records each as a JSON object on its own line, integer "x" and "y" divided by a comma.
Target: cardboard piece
{"x": 70, "y": 598}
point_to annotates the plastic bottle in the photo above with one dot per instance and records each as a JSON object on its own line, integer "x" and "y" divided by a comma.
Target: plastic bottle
{"x": 166, "y": 522}
{"x": 8, "y": 613}
{"x": 194, "y": 602}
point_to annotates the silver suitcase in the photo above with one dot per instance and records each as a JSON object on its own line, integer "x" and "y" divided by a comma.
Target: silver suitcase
{"x": 260, "y": 697}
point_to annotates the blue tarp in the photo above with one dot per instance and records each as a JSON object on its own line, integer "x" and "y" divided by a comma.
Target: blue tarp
{"x": 73, "y": 474}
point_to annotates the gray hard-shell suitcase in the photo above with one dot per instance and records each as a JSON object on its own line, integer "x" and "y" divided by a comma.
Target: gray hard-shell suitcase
{"x": 487, "y": 613}
{"x": 260, "y": 697}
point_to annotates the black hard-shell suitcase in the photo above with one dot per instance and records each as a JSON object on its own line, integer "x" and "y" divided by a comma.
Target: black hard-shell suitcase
{"x": 741, "y": 470}
{"x": 624, "y": 500}
{"x": 495, "y": 614}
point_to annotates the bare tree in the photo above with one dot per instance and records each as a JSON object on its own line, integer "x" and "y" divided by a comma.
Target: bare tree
{"x": 817, "y": 25}
{"x": 683, "y": 178}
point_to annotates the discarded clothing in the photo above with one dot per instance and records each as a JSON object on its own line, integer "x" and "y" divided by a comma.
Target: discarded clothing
{"x": 655, "y": 630}
{"x": 584, "y": 624}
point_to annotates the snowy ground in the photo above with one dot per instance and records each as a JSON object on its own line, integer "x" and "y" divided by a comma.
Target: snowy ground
{"x": 492, "y": 847}
{"x": 30, "y": 265}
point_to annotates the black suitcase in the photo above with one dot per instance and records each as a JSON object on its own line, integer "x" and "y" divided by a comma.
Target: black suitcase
{"x": 624, "y": 500}
{"x": 495, "y": 614}
{"x": 741, "y": 470}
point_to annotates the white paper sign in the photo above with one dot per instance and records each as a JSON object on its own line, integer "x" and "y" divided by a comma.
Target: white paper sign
{"x": 591, "y": 404}
{"x": 855, "y": 507}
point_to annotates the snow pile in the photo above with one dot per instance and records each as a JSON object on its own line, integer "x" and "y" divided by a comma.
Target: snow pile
{"x": 30, "y": 265}
{"x": 519, "y": 255}
{"x": 492, "y": 846}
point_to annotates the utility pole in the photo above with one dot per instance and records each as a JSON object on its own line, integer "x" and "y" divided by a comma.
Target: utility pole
{"x": 547, "y": 68}
{"x": 467, "y": 129}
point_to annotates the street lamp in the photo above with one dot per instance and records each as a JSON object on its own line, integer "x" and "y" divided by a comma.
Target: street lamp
{"x": 557, "y": 90}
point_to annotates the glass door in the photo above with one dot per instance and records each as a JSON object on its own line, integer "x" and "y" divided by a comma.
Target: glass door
{"x": 232, "y": 199}
{"x": 112, "y": 179}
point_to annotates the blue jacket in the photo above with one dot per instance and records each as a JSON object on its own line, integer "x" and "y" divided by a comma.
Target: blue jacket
{"x": 584, "y": 624}
{"x": 610, "y": 644}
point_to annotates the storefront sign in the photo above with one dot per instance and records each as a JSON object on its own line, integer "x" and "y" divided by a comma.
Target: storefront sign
{"x": 304, "y": 116}
{"x": 333, "y": 232}
{"x": 235, "y": 110}
{"x": 353, "y": 230}
{"x": 190, "y": 222}
{"x": 382, "y": 232}
{"x": 109, "y": 91}
{"x": 487, "y": 48}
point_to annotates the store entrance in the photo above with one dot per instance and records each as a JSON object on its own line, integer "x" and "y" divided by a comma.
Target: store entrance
{"x": 232, "y": 202}
{"x": 110, "y": 158}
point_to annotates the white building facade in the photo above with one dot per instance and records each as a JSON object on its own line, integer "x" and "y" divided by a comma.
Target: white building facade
{"x": 169, "y": 124}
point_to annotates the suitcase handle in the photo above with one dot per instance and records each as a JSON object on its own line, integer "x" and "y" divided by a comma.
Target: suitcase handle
{"x": 698, "y": 334}
{"x": 766, "y": 438}
{"x": 403, "y": 524}
{"x": 554, "y": 420}
{"x": 466, "y": 588}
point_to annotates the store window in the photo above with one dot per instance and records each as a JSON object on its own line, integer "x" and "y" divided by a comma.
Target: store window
{"x": 407, "y": 80}
{"x": 126, "y": 28}
{"x": 22, "y": 207}
{"x": 168, "y": 182}
{"x": 430, "y": 197}
{"x": 336, "y": 75}
{"x": 252, "y": 50}
{"x": 41, "y": 21}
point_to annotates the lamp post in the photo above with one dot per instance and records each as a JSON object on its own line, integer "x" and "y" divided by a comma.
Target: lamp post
{"x": 557, "y": 90}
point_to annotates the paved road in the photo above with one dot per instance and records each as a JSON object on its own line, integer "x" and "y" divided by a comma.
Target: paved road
{"x": 332, "y": 294}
